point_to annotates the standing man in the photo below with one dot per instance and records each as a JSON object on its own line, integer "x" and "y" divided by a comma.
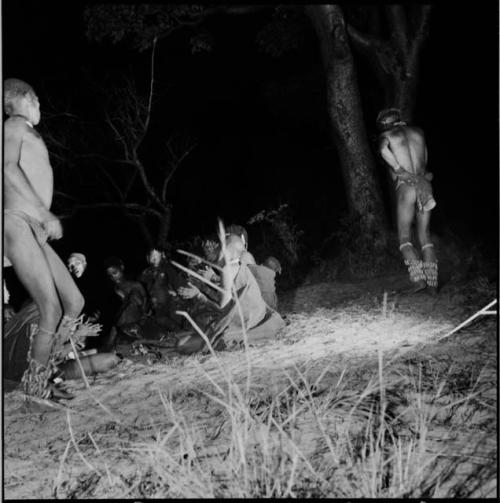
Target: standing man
{"x": 28, "y": 226}
{"x": 404, "y": 150}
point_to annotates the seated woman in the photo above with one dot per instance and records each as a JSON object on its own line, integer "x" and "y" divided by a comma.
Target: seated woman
{"x": 134, "y": 311}
{"x": 248, "y": 313}
{"x": 196, "y": 297}
{"x": 161, "y": 281}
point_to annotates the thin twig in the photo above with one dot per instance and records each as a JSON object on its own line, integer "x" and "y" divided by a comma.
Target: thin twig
{"x": 61, "y": 464}
{"x": 84, "y": 377}
{"x": 100, "y": 454}
{"x": 75, "y": 444}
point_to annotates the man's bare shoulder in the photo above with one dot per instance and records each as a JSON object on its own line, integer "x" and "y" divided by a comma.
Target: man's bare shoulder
{"x": 414, "y": 129}
{"x": 383, "y": 139}
{"x": 15, "y": 125}
{"x": 416, "y": 132}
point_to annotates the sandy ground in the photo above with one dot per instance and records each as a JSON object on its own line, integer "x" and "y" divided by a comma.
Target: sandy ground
{"x": 59, "y": 453}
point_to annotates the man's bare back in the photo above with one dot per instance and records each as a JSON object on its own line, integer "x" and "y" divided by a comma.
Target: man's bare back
{"x": 404, "y": 149}
{"x": 407, "y": 146}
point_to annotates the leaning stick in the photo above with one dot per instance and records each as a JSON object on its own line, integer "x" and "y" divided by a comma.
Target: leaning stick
{"x": 482, "y": 311}
{"x": 193, "y": 255}
{"x": 196, "y": 275}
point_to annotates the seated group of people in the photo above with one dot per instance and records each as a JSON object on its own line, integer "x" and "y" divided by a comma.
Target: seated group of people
{"x": 153, "y": 305}
{"x": 227, "y": 295}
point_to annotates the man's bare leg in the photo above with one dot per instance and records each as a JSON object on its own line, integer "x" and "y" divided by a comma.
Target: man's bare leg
{"x": 32, "y": 269}
{"x": 430, "y": 263}
{"x": 406, "y": 199}
{"x": 70, "y": 297}
{"x": 72, "y": 300}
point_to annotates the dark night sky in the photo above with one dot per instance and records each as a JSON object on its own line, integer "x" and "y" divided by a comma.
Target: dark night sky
{"x": 262, "y": 123}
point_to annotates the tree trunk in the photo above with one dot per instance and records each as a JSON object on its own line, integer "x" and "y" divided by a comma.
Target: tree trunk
{"x": 164, "y": 229}
{"x": 398, "y": 77}
{"x": 140, "y": 220}
{"x": 396, "y": 62}
{"x": 344, "y": 108}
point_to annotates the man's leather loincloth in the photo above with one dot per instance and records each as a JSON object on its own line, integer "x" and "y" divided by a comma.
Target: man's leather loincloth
{"x": 22, "y": 218}
{"x": 423, "y": 187}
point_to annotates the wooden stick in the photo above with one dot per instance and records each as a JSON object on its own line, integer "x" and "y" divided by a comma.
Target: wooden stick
{"x": 196, "y": 275}
{"x": 384, "y": 306}
{"x": 205, "y": 261}
{"x": 482, "y": 311}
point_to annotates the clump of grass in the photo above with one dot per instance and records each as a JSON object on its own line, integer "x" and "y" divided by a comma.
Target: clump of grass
{"x": 380, "y": 432}
{"x": 377, "y": 442}
{"x": 320, "y": 435}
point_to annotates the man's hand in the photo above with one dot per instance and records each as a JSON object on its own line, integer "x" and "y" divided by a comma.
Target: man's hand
{"x": 406, "y": 177}
{"x": 53, "y": 227}
{"x": 8, "y": 313}
{"x": 188, "y": 292}
{"x": 95, "y": 316}
{"x": 425, "y": 199}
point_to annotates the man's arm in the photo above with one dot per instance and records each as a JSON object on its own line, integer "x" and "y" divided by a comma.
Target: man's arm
{"x": 387, "y": 155}
{"x": 15, "y": 180}
{"x": 390, "y": 159}
{"x": 14, "y": 177}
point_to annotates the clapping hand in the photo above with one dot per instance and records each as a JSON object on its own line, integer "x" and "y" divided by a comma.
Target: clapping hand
{"x": 188, "y": 292}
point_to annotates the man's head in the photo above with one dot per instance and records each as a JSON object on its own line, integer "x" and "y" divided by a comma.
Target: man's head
{"x": 20, "y": 99}
{"x": 115, "y": 269}
{"x": 77, "y": 263}
{"x": 234, "y": 249}
{"x": 388, "y": 118}
{"x": 240, "y": 231}
{"x": 155, "y": 257}
{"x": 273, "y": 263}
{"x": 211, "y": 249}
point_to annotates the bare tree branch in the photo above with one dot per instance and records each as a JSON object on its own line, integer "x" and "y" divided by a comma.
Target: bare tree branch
{"x": 398, "y": 23}
{"x": 176, "y": 163}
{"x": 150, "y": 101}
{"x": 60, "y": 193}
{"x": 95, "y": 155}
{"x": 423, "y": 24}
{"x": 129, "y": 206}
{"x": 147, "y": 185}
{"x": 362, "y": 40}
{"x": 112, "y": 182}
{"x": 130, "y": 183}
{"x": 118, "y": 136}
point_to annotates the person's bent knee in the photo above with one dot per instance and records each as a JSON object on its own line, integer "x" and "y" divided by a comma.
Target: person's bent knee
{"x": 78, "y": 304}
{"x": 73, "y": 304}
{"x": 50, "y": 310}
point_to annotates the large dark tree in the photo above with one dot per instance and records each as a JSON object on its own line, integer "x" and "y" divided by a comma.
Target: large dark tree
{"x": 345, "y": 111}
{"x": 395, "y": 61}
{"x": 391, "y": 38}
